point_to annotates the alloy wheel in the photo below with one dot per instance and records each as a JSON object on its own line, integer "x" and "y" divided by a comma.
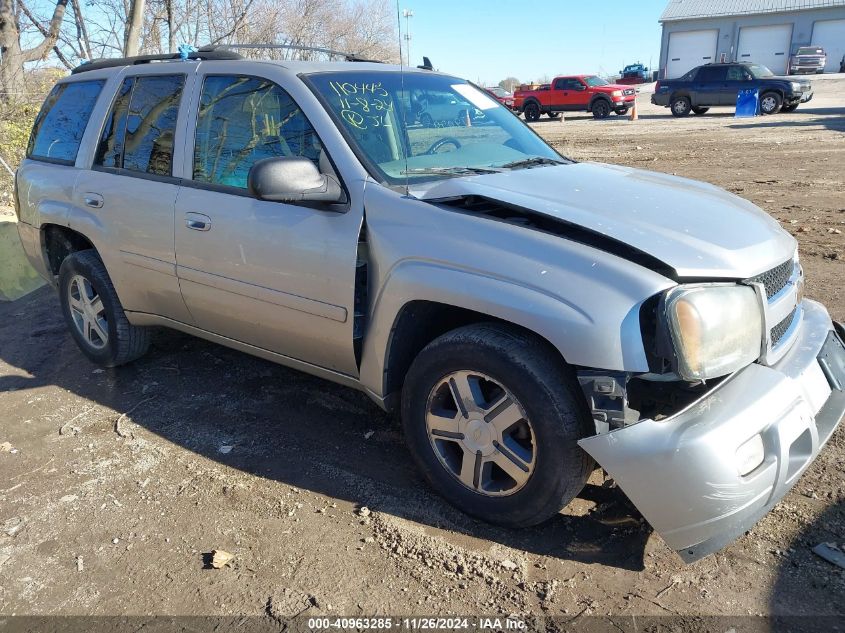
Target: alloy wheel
{"x": 480, "y": 433}
{"x": 88, "y": 312}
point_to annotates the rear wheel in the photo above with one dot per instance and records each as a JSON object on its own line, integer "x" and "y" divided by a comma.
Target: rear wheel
{"x": 680, "y": 106}
{"x": 699, "y": 110}
{"x": 770, "y": 103}
{"x": 600, "y": 109}
{"x": 94, "y": 315}
{"x": 492, "y": 417}
{"x": 532, "y": 111}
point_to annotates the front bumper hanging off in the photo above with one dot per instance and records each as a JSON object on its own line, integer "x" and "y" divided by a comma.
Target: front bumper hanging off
{"x": 683, "y": 472}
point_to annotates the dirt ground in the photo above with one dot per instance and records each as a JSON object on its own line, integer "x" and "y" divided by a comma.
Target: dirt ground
{"x": 122, "y": 481}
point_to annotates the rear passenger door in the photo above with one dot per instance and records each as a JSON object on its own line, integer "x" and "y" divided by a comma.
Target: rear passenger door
{"x": 710, "y": 86}
{"x": 127, "y": 196}
{"x": 277, "y": 276}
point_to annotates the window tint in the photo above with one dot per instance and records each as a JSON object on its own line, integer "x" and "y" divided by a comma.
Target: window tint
{"x": 139, "y": 130}
{"x": 242, "y": 120}
{"x": 61, "y": 123}
{"x": 110, "y": 149}
{"x": 737, "y": 73}
{"x": 712, "y": 73}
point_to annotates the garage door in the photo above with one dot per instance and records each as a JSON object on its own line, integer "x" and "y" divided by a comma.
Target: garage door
{"x": 688, "y": 49}
{"x": 767, "y": 45}
{"x": 830, "y": 35}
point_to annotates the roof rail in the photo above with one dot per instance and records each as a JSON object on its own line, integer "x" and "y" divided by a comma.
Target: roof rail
{"x": 350, "y": 57}
{"x": 209, "y": 54}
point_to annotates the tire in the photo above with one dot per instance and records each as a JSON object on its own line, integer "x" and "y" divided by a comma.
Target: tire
{"x": 600, "y": 109}
{"x": 553, "y": 115}
{"x": 94, "y": 315}
{"x": 426, "y": 120}
{"x": 770, "y": 103}
{"x": 621, "y": 111}
{"x": 699, "y": 110}
{"x": 532, "y": 111}
{"x": 789, "y": 108}
{"x": 505, "y": 363}
{"x": 680, "y": 106}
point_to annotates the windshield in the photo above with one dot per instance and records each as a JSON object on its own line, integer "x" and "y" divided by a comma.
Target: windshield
{"x": 595, "y": 81}
{"x": 421, "y": 126}
{"x": 759, "y": 71}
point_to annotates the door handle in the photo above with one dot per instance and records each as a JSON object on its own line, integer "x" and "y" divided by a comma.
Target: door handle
{"x": 93, "y": 200}
{"x": 197, "y": 221}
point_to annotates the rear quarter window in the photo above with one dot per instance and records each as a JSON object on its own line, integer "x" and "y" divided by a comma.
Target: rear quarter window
{"x": 59, "y": 126}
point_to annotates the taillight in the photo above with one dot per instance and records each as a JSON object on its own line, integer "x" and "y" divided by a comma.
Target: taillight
{"x": 657, "y": 86}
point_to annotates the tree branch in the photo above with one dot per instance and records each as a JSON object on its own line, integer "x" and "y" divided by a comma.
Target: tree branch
{"x": 51, "y": 34}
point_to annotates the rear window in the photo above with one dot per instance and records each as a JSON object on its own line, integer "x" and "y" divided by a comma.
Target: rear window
{"x": 60, "y": 124}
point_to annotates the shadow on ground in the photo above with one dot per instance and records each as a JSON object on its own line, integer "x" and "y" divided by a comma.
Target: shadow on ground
{"x": 805, "y": 582}
{"x": 285, "y": 426}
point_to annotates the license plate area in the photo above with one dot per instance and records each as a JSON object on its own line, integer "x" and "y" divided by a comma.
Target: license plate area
{"x": 832, "y": 361}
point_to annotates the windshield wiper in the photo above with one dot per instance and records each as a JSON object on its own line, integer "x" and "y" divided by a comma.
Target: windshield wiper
{"x": 532, "y": 162}
{"x": 451, "y": 171}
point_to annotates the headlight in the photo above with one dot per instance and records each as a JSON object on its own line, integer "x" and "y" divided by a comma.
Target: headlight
{"x": 796, "y": 87}
{"x": 715, "y": 329}
{"x": 617, "y": 93}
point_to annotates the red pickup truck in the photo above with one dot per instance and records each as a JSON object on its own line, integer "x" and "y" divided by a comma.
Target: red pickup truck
{"x": 586, "y": 93}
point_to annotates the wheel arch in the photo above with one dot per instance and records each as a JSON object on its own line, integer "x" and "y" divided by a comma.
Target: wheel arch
{"x": 57, "y": 242}
{"x": 420, "y": 300}
{"x": 602, "y": 97}
{"x": 530, "y": 100}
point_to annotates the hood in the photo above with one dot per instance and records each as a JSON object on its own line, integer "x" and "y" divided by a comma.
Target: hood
{"x": 611, "y": 87}
{"x": 699, "y": 230}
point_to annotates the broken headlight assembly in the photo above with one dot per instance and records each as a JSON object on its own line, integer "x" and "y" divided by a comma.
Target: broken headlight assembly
{"x": 715, "y": 329}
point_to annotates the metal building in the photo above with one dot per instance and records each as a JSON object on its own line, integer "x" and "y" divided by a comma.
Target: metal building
{"x": 697, "y": 32}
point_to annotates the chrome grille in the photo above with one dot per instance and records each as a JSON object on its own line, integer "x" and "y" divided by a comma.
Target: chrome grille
{"x": 780, "y": 329}
{"x": 775, "y": 280}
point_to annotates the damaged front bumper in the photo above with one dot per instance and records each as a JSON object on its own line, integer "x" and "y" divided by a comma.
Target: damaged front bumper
{"x": 683, "y": 472}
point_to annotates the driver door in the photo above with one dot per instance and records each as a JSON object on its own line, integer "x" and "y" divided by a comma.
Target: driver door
{"x": 277, "y": 276}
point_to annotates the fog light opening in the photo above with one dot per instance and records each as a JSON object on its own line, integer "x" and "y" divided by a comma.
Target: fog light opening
{"x": 750, "y": 455}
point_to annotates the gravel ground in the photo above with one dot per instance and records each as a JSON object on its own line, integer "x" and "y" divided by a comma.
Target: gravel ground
{"x": 120, "y": 483}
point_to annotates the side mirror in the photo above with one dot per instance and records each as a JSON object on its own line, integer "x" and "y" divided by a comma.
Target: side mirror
{"x": 581, "y": 87}
{"x": 292, "y": 179}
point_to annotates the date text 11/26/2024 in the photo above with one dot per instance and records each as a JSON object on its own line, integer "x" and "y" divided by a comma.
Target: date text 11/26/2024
{"x": 418, "y": 623}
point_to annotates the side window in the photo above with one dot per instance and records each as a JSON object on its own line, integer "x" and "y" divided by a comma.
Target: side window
{"x": 60, "y": 124}
{"x": 560, "y": 84}
{"x": 242, "y": 120}
{"x": 139, "y": 131}
{"x": 736, "y": 73}
{"x": 712, "y": 73}
{"x": 110, "y": 149}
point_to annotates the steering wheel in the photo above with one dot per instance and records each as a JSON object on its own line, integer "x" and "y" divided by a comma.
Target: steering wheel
{"x": 446, "y": 140}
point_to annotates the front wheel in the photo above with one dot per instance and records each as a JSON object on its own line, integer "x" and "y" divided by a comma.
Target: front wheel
{"x": 770, "y": 103}
{"x": 680, "y": 106}
{"x": 621, "y": 111}
{"x": 699, "y": 110}
{"x": 94, "y": 315}
{"x": 600, "y": 109}
{"x": 492, "y": 418}
{"x": 554, "y": 115}
{"x": 789, "y": 108}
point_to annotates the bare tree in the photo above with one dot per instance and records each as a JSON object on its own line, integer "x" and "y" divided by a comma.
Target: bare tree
{"x": 12, "y": 55}
{"x": 134, "y": 26}
{"x": 509, "y": 83}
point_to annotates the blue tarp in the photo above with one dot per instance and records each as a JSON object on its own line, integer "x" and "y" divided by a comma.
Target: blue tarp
{"x": 747, "y": 103}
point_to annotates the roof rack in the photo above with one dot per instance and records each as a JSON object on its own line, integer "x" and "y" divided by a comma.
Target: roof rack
{"x": 350, "y": 57}
{"x": 208, "y": 53}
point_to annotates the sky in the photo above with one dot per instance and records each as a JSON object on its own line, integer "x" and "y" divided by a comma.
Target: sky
{"x": 487, "y": 40}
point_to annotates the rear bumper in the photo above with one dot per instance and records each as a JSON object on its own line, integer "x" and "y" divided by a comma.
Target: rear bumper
{"x": 682, "y": 472}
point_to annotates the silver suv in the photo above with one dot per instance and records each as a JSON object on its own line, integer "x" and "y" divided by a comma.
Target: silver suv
{"x": 527, "y": 314}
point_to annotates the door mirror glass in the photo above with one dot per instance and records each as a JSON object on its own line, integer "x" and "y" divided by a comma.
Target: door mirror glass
{"x": 579, "y": 86}
{"x": 292, "y": 179}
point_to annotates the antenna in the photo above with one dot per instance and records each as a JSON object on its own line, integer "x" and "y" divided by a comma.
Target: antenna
{"x": 407, "y": 14}
{"x": 405, "y": 143}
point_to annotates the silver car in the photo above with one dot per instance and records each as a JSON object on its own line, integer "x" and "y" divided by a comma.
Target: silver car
{"x": 530, "y": 316}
